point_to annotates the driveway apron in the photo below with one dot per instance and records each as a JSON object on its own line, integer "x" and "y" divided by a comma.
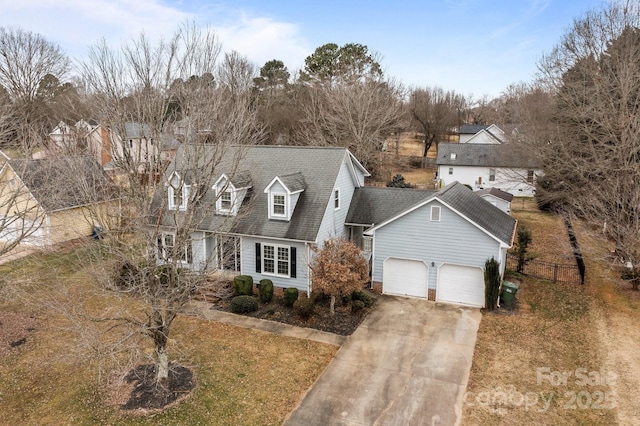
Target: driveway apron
{"x": 407, "y": 364}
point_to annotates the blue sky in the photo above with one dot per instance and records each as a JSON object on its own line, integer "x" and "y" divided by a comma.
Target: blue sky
{"x": 475, "y": 47}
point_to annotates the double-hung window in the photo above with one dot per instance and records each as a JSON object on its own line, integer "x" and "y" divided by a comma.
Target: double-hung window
{"x": 225, "y": 201}
{"x": 168, "y": 251}
{"x": 276, "y": 260}
{"x": 492, "y": 175}
{"x": 278, "y": 205}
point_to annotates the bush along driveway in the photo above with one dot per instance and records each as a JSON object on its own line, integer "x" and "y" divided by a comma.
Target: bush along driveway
{"x": 408, "y": 363}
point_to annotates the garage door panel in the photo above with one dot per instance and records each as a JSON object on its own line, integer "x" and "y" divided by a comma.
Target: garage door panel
{"x": 405, "y": 277}
{"x": 462, "y": 285}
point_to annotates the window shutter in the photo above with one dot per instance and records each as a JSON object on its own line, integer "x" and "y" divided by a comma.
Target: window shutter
{"x": 292, "y": 265}
{"x": 258, "y": 258}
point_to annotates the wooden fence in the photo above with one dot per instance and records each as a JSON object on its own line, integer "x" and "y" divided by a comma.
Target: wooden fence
{"x": 555, "y": 272}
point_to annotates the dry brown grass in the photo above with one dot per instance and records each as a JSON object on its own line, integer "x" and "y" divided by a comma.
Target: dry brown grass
{"x": 244, "y": 377}
{"x": 550, "y": 240}
{"x": 555, "y": 327}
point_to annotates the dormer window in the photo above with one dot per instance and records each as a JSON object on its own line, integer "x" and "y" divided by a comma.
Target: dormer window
{"x": 178, "y": 193}
{"x": 230, "y": 191}
{"x": 278, "y": 205}
{"x": 225, "y": 201}
{"x": 283, "y": 193}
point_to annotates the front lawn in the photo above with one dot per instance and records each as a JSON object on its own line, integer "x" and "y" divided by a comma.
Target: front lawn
{"x": 243, "y": 376}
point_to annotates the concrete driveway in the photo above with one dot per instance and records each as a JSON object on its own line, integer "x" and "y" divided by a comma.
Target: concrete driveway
{"x": 407, "y": 364}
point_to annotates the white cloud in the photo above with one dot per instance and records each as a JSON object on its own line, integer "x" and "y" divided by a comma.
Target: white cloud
{"x": 77, "y": 24}
{"x": 263, "y": 39}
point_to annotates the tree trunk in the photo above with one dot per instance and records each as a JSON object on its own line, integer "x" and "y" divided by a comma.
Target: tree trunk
{"x": 160, "y": 332}
{"x": 332, "y": 305}
{"x": 162, "y": 367}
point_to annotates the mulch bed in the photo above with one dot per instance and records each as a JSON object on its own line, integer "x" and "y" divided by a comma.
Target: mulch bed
{"x": 344, "y": 322}
{"x": 146, "y": 395}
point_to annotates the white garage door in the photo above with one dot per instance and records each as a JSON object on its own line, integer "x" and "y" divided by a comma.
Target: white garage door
{"x": 405, "y": 277}
{"x": 462, "y": 285}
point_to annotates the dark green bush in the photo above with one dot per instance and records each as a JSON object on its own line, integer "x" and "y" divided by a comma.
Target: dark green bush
{"x": 265, "y": 291}
{"x": 244, "y": 304}
{"x": 362, "y": 296}
{"x": 303, "y": 307}
{"x": 290, "y": 296}
{"x": 243, "y": 285}
{"x": 357, "y": 305}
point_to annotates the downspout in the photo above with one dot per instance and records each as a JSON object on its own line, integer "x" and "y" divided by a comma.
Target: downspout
{"x": 309, "y": 281}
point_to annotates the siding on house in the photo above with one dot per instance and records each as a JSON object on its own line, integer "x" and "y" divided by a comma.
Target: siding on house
{"x": 415, "y": 236}
{"x": 69, "y": 224}
{"x": 248, "y": 262}
{"x": 513, "y": 181}
{"x": 333, "y": 221}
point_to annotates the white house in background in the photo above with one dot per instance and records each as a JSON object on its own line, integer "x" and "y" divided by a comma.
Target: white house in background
{"x": 497, "y": 197}
{"x": 70, "y": 136}
{"x": 481, "y": 134}
{"x": 503, "y": 166}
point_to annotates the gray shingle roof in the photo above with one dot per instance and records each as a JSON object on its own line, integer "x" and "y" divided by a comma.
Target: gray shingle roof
{"x": 316, "y": 168}
{"x": 64, "y": 183}
{"x": 372, "y": 206}
{"x": 485, "y": 155}
{"x": 496, "y": 192}
{"x": 485, "y": 215}
{"x": 294, "y": 182}
{"x": 471, "y": 129}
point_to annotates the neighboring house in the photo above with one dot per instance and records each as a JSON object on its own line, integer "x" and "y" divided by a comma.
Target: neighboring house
{"x": 497, "y": 197}
{"x": 71, "y": 137}
{"x": 51, "y": 200}
{"x": 503, "y": 166}
{"x": 432, "y": 244}
{"x": 108, "y": 147}
{"x": 475, "y": 133}
{"x": 269, "y": 210}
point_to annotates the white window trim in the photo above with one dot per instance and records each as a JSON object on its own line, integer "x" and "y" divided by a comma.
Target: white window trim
{"x": 232, "y": 202}
{"x": 185, "y": 189}
{"x": 275, "y": 260}
{"x": 336, "y": 199}
{"x": 185, "y": 196}
{"x": 492, "y": 176}
{"x": 272, "y": 213}
{"x": 438, "y": 215}
{"x": 163, "y": 249}
{"x": 450, "y": 170}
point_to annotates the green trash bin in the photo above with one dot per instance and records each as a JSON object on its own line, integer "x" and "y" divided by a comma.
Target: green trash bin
{"x": 509, "y": 291}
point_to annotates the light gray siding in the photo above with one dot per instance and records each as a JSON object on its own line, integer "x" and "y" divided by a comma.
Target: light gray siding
{"x": 333, "y": 222}
{"x": 198, "y": 252}
{"x": 415, "y": 236}
{"x": 248, "y": 263}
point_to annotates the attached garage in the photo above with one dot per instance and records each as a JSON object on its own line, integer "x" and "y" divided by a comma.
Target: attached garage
{"x": 462, "y": 285}
{"x": 405, "y": 277}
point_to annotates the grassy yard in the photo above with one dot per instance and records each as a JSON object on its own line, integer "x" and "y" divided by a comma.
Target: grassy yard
{"x": 244, "y": 377}
{"x": 566, "y": 354}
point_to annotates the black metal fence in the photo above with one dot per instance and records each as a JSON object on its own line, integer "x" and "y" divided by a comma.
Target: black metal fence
{"x": 555, "y": 272}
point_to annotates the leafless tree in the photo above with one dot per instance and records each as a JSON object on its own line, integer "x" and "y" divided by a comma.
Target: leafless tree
{"x": 358, "y": 115}
{"x": 592, "y": 153}
{"x": 236, "y": 74}
{"x": 166, "y": 91}
{"x": 435, "y": 113}
{"x": 27, "y": 61}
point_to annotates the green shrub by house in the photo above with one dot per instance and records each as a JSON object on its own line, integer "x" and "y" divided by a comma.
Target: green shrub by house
{"x": 491, "y": 283}
{"x": 290, "y": 296}
{"x": 362, "y": 296}
{"x": 243, "y": 285}
{"x": 357, "y": 305}
{"x": 303, "y": 307}
{"x": 244, "y": 304}
{"x": 265, "y": 291}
